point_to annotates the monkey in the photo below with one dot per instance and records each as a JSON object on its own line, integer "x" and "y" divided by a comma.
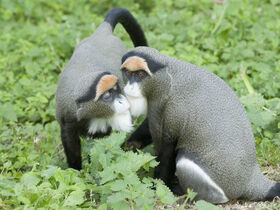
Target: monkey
{"x": 199, "y": 128}
{"x": 88, "y": 96}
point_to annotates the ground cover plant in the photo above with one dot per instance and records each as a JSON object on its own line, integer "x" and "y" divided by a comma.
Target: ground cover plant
{"x": 238, "y": 40}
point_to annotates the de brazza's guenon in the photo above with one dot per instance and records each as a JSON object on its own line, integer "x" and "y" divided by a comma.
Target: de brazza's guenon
{"x": 88, "y": 97}
{"x": 198, "y": 126}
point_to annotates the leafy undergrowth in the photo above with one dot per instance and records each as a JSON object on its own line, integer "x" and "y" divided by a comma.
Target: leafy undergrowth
{"x": 113, "y": 179}
{"x": 238, "y": 40}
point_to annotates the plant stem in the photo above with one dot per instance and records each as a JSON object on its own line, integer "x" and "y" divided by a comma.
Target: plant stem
{"x": 220, "y": 19}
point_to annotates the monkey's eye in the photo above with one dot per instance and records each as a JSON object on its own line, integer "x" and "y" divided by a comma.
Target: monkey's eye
{"x": 128, "y": 73}
{"x": 106, "y": 95}
{"x": 140, "y": 74}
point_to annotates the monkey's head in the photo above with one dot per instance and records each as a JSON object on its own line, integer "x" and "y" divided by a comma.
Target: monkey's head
{"x": 98, "y": 99}
{"x": 138, "y": 70}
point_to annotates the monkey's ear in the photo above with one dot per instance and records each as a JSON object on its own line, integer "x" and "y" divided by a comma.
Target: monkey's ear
{"x": 81, "y": 112}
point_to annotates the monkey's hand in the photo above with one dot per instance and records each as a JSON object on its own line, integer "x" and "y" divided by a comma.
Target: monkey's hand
{"x": 131, "y": 145}
{"x": 139, "y": 138}
{"x": 99, "y": 135}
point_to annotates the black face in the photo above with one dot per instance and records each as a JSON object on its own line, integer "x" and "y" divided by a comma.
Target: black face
{"x": 134, "y": 76}
{"x": 110, "y": 95}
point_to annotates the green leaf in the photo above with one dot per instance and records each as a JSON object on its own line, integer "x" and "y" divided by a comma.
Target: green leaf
{"x": 190, "y": 194}
{"x": 24, "y": 200}
{"x": 75, "y": 198}
{"x": 103, "y": 207}
{"x": 30, "y": 179}
{"x": 116, "y": 197}
{"x": 32, "y": 68}
{"x": 120, "y": 205}
{"x": 203, "y": 205}
{"x": 107, "y": 175}
{"x": 49, "y": 172}
{"x": 118, "y": 201}
{"x": 118, "y": 185}
{"x": 8, "y": 112}
{"x": 164, "y": 193}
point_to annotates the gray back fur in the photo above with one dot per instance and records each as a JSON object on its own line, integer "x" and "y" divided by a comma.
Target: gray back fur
{"x": 98, "y": 53}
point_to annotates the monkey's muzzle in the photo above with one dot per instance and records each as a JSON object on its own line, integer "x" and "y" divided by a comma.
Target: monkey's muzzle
{"x": 121, "y": 105}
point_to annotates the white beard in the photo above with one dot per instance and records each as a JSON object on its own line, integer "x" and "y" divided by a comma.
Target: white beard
{"x": 98, "y": 125}
{"x": 120, "y": 121}
{"x": 138, "y": 106}
{"x": 138, "y": 103}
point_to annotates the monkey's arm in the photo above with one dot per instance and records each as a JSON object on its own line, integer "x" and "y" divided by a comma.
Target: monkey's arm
{"x": 140, "y": 138}
{"x": 71, "y": 143}
{"x": 167, "y": 158}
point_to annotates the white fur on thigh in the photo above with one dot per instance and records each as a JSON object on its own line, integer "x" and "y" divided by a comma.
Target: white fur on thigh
{"x": 138, "y": 103}
{"x": 187, "y": 168}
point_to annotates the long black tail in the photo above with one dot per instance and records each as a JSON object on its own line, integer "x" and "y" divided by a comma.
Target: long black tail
{"x": 123, "y": 16}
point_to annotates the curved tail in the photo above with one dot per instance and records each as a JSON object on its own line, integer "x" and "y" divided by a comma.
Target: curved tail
{"x": 273, "y": 192}
{"x": 262, "y": 188}
{"x": 123, "y": 16}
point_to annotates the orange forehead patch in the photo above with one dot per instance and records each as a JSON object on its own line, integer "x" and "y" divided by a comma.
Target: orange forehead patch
{"x": 105, "y": 83}
{"x": 135, "y": 63}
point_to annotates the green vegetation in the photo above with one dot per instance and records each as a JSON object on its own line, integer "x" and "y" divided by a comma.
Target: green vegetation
{"x": 238, "y": 40}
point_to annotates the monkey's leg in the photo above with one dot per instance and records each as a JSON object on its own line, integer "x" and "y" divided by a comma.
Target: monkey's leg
{"x": 72, "y": 145}
{"x": 175, "y": 186}
{"x": 140, "y": 138}
{"x": 166, "y": 168}
{"x": 193, "y": 175}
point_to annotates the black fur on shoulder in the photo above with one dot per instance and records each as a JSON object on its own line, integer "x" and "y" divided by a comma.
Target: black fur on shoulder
{"x": 153, "y": 65}
{"x": 91, "y": 93}
{"x": 123, "y": 16}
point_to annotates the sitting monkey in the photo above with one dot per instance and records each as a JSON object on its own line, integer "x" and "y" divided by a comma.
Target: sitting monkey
{"x": 199, "y": 128}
